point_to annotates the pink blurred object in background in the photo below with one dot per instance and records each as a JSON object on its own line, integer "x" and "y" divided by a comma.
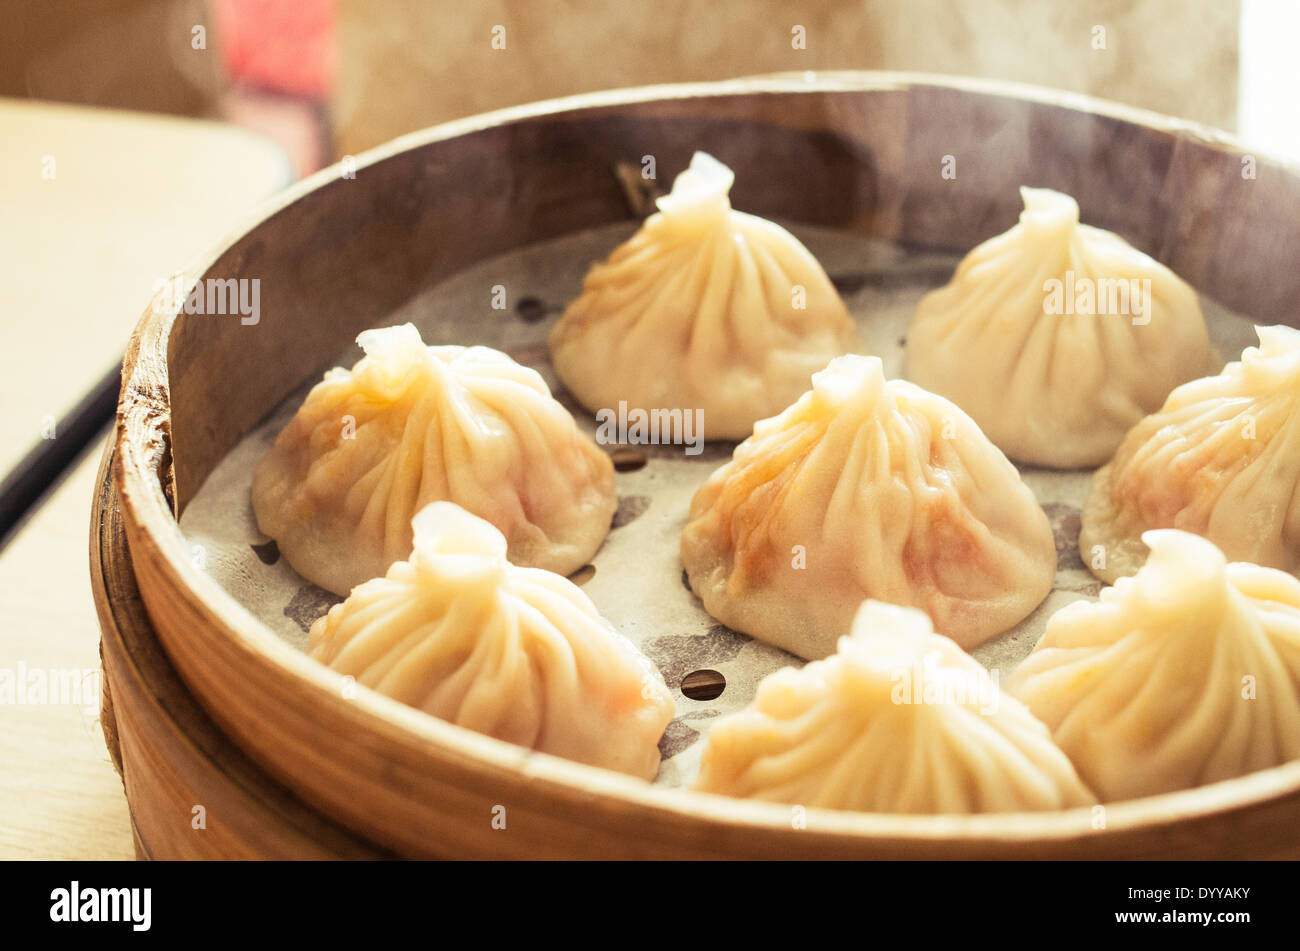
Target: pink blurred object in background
{"x": 281, "y": 47}
{"x": 279, "y": 61}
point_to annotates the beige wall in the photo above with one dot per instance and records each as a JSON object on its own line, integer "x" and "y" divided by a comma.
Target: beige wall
{"x": 129, "y": 54}
{"x": 406, "y": 64}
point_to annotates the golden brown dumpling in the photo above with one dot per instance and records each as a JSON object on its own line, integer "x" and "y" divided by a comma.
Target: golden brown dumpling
{"x": 866, "y": 488}
{"x": 1221, "y": 458}
{"x": 411, "y": 424}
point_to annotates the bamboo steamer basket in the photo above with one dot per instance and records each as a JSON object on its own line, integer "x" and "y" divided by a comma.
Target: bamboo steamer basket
{"x": 208, "y": 707}
{"x": 171, "y": 756}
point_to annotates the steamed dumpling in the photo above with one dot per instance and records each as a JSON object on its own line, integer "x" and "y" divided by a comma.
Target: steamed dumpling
{"x": 703, "y": 308}
{"x": 899, "y": 720}
{"x": 1056, "y": 337}
{"x": 1221, "y": 458}
{"x": 1186, "y": 674}
{"x": 411, "y": 424}
{"x": 866, "y": 489}
{"x": 520, "y": 654}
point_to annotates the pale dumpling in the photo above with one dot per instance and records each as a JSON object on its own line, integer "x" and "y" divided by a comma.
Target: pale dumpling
{"x": 899, "y": 720}
{"x": 1221, "y": 458}
{"x": 411, "y": 424}
{"x": 866, "y": 488}
{"x": 520, "y": 654}
{"x": 1185, "y": 674}
{"x": 1056, "y": 337}
{"x": 704, "y": 308}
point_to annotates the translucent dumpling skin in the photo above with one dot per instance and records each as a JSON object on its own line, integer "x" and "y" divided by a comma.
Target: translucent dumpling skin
{"x": 1221, "y": 459}
{"x": 411, "y": 424}
{"x": 703, "y": 308}
{"x": 1185, "y": 674}
{"x": 520, "y": 654}
{"x": 898, "y": 720}
{"x": 1056, "y": 337}
{"x": 866, "y": 488}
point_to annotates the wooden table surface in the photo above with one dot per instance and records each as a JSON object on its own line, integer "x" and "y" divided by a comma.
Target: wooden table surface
{"x": 132, "y": 198}
{"x": 59, "y": 794}
{"x": 98, "y": 205}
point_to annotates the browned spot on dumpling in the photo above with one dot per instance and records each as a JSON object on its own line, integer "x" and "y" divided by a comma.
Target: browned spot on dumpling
{"x": 754, "y": 493}
{"x": 951, "y": 536}
{"x": 1194, "y": 460}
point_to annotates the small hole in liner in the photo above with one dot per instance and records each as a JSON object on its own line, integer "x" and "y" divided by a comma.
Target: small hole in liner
{"x": 627, "y": 459}
{"x": 704, "y": 684}
{"x": 267, "y": 552}
{"x": 530, "y": 310}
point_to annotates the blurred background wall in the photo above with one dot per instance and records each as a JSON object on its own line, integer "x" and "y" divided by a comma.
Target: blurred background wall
{"x": 334, "y": 77}
{"x": 131, "y": 54}
{"x": 405, "y": 64}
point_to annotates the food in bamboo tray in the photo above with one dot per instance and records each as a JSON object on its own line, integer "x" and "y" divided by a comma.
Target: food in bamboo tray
{"x": 1056, "y": 337}
{"x": 1186, "y": 673}
{"x": 409, "y": 425}
{"x": 1221, "y": 458}
{"x": 866, "y": 488}
{"x": 704, "y": 308}
{"x": 520, "y": 654}
{"x": 898, "y": 719}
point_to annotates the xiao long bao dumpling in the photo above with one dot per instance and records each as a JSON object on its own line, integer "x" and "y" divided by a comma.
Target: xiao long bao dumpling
{"x": 520, "y": 654}
{"x": 866, "y": 488}
{"x": 1221, "y": 458}
{"x": 1056, "y": 337}
{"x": 899, "y": 720}
{"x": 703, "y": 308}
{"x": 1186, "y": 674}
{"x": 411, "y": 424}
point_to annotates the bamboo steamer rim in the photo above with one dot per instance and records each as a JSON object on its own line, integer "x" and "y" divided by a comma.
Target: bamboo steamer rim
{"x": 167, "y": 752}
{"x": 143, "y": 465}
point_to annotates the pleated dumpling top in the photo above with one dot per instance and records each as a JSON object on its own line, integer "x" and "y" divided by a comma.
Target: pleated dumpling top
{"x": 409, "y": 425}
{"x": 1056, "y": 336}
{"x": 1186, "y": 673}
{"x": 1221, "y": 459}
{"x": 520, "y": 654}
{"x": 866, "y": 488}
{"x": 704, "y": 308}
{"x": 900, "y": 720}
